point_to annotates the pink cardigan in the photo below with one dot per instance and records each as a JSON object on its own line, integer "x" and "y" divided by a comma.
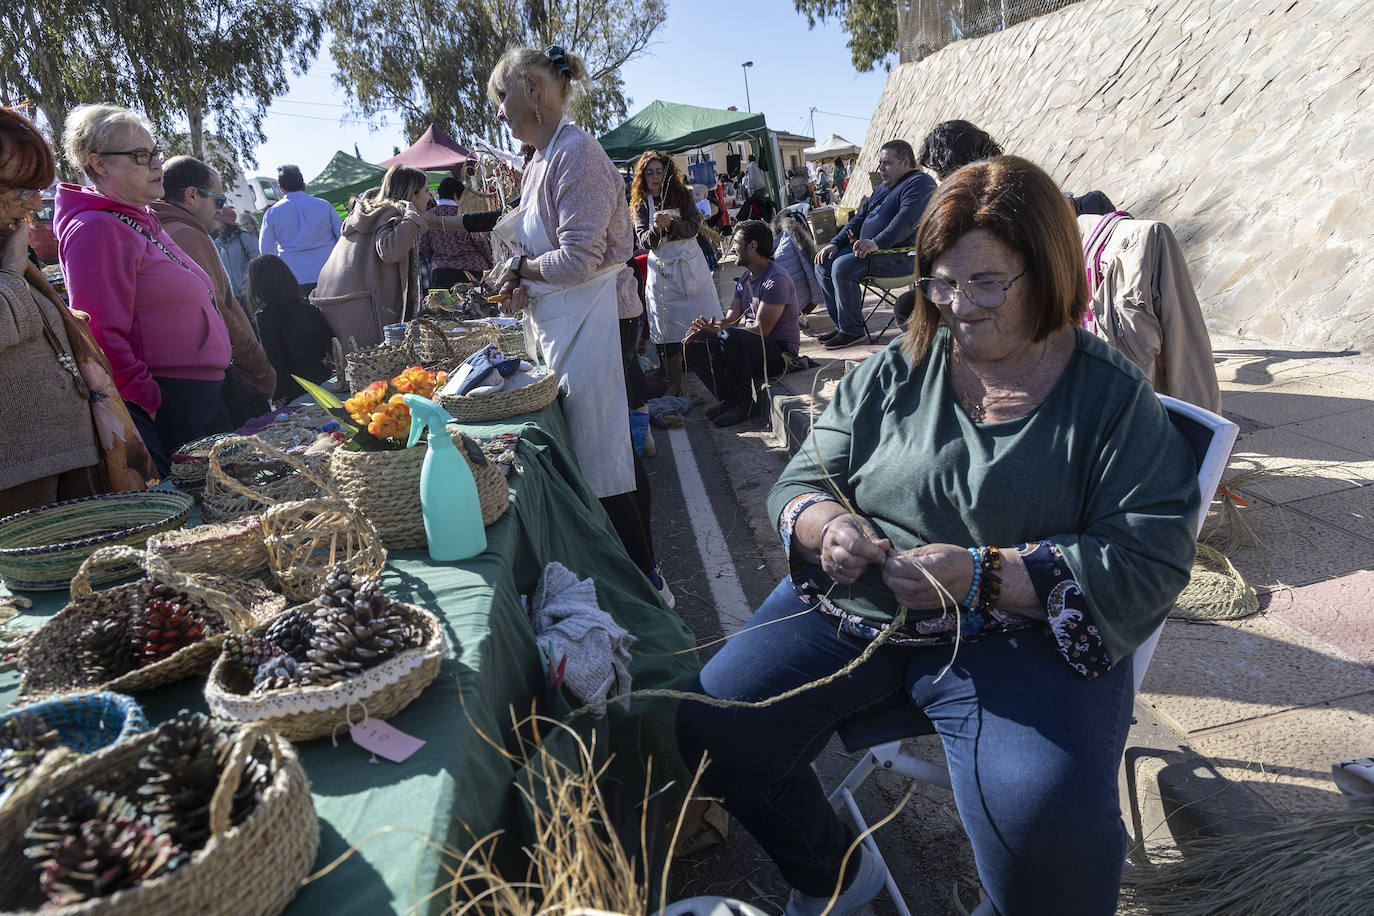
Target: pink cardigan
{"x": 582, "y": 204}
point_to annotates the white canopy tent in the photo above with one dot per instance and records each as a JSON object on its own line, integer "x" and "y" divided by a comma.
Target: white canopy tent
{"x": 834, "y": 147}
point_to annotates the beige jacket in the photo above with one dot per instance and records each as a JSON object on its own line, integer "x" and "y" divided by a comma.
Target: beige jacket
{"x": 251, "y": 361}
{"x": 47, "y": 418}
{"x": 1146, "y": 307}
{"x": 372, "y": 277}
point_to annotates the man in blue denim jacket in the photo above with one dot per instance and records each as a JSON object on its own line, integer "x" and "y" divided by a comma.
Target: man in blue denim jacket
{"x": 888, "y": 220}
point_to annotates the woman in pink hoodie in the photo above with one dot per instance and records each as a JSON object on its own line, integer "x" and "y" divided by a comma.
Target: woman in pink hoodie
{"x": 152, "y": 309}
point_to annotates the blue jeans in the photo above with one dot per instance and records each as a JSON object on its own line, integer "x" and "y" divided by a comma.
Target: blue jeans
{"x": 1033, "y": 752}
{"x": 844, "y": 297}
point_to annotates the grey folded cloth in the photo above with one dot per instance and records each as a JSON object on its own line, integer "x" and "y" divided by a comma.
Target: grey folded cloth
{"x": 661, "y": 407}
{"x": 564, "y": 611}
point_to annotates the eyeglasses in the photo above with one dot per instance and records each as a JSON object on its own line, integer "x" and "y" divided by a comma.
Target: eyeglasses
{"x": 139, "y": 156}
{"x": 220, "y": 199}
{"x": 986, "y": 294}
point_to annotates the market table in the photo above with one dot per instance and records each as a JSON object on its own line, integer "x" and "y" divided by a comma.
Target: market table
{"x": 460, "y": 787}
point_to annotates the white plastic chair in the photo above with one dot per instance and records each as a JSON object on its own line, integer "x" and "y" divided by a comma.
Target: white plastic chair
{"x": 879, "y": 734}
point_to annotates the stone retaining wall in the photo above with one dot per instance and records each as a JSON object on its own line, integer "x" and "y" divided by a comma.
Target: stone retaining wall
{"x": 1237, "y": 122}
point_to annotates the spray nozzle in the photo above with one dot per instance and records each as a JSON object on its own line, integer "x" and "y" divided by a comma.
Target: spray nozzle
{"x": 425, "y": 413}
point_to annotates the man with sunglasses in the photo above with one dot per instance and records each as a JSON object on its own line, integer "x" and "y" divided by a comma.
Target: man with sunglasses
{"x": 193, "y": 194}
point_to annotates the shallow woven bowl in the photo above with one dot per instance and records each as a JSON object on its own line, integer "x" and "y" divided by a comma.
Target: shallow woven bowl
{"x": 85, "y": 723}
{"x": 251, "y": 869}
{"x": 302, "y": 713}
{"x": 41, "y": 549}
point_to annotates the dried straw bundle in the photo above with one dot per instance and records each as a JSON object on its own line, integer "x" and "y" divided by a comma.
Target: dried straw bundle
{"x": 1316, "y": 864}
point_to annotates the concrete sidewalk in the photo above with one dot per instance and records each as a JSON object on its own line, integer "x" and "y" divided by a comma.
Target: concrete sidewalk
{"x": 1238, "y": 723}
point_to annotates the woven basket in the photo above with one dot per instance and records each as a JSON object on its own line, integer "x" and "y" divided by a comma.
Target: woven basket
{"x": 41, "y": 549}
{"x": 233, "y": 490}
{"x": 305, "y": 538}
{"x": 50, "y": 660}
{"x": 85, "y": 723}
{"x": 252, "y": 869}
{"x": 232, "y": 548}
{"x": 500, "y": 405}
{"x": 426, "y": 344}
{"x": 385, "y": 487}
{"x": 302, "y": 713}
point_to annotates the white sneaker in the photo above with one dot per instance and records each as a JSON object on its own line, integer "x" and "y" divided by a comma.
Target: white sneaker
{"x": 664, "y": 592}
{"x": 868, "y": 882}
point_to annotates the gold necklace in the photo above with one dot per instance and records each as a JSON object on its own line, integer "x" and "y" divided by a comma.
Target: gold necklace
{"x": 978, "y": 410}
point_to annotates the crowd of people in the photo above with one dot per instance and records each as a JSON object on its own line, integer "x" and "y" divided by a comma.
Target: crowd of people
{"x": 997, "y": 453}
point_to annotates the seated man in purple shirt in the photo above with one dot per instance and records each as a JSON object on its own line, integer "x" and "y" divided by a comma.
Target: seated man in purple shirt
{"x": 887, "y": 221}
{"x": 748, "y": 344}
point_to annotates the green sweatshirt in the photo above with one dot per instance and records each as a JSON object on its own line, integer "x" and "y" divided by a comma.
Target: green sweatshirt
{"x": 1097, "y": 469}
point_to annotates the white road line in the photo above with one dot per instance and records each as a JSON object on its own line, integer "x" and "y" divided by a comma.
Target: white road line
{"x": 732, "y": 608}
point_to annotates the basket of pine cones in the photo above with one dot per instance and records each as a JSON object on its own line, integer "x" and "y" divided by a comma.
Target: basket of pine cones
{"x": 159, "y": 629}
{"x": 195, "y": 816}
{"x": 351, "y": 654}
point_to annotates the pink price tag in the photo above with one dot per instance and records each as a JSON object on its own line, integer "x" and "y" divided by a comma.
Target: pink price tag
{"x": 385, "y": 741}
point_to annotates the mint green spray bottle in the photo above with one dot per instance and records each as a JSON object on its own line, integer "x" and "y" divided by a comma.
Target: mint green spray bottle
{"x": 448, "y": 494}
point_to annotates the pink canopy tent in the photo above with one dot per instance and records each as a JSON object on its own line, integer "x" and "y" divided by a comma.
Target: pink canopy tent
{"x": 435, "y": 151}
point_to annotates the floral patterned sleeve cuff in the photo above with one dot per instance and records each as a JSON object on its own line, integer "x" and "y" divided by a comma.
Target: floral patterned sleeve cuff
{"x": 1070, "y": 622}
{"x": 793, "y": 511}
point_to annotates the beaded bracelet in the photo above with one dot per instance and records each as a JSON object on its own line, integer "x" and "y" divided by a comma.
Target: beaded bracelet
{"x": 967, "y": 603}
{"x": 992, "y": 583}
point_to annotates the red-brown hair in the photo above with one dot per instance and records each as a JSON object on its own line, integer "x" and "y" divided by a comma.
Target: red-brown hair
{"x": 1013, "y": 200}
{"x": 26, "y": 159}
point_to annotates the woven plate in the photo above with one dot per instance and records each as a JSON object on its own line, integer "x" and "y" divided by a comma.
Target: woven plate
{"x": 50, "y": 660}
{"x": 385, "y": 487}
{"x": 501, "y": 405}
{"x": 252, "y": 869}
{"x": 41, "y": 549}
{"x": 302, "y": 713}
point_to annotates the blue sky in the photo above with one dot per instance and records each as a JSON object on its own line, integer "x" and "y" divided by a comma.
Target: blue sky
{"x": 695, "y": 59}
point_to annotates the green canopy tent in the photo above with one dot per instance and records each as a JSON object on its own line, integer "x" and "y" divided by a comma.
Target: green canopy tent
{"x": 675, "y": 128}
{"x": 347, "y": 175}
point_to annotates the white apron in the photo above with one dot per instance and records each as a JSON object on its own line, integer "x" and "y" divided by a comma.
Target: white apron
{"x": 578, "y": 330}
{"x": 678, "y": 289}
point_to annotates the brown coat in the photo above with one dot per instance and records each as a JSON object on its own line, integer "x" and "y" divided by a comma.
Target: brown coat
{"x": 251, "y": 361}
{"x": 372, "y": 277}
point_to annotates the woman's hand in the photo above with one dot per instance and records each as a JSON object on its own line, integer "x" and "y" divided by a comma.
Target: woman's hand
{"x": 846, "y": 550}
{"x": 950, "y": 565}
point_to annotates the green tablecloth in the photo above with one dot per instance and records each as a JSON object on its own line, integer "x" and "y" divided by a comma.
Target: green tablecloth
{"x": 458, "y": 787}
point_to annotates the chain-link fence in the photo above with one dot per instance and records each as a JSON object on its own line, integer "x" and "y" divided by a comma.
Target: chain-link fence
{"x": 926, "y": 26}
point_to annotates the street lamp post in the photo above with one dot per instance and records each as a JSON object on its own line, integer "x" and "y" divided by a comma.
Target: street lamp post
{"x": 745, "y": 66}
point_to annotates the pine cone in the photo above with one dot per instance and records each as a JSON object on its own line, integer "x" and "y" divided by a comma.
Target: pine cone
{"x": 182, "y": 768}
{"x": 162, "y": 627}
{"x": 60, "y": 817}
{"x": 103, "y": 856}
{"x": 338, "y": 588}
{"x": 107, "y": 651}
{"x": 349, "y": 640}
{"x": 276, "y": 673}
{"x": 246, "y": 653}
{"x": 24, "y": 738}
{"x": 291, "y": 633}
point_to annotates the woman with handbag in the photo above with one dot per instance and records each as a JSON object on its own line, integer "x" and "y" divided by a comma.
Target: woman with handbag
{"x": 60, "y": 426}
{"x": 152, "y": 308}
{"x": 679, "y": 289}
